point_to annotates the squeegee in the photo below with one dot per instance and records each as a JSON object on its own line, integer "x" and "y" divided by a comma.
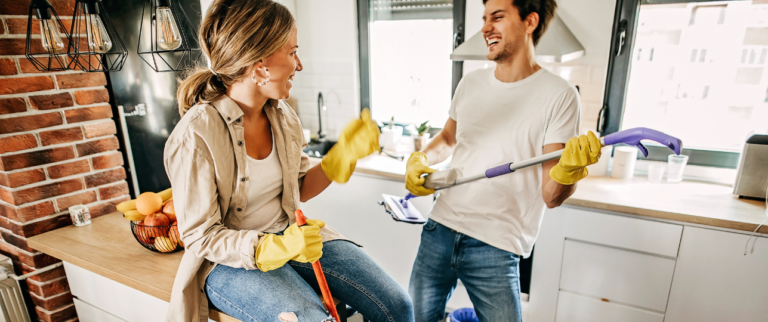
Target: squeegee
{"x": 403, "y": 210}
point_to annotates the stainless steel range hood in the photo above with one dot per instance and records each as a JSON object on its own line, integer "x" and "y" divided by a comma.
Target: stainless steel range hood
{"x": 556, "y": 46}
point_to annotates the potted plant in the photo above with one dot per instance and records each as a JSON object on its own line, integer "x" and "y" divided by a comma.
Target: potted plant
{"x": 420, "y": 141}
{"x": 390, "y": 135}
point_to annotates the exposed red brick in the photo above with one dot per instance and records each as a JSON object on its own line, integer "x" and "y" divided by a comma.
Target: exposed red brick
{"x": 18, "y": 179}
{"x": 93, "y": 147}
{"x": 100, "y": 129}
{"x": 114, "y": 191}
{"x": 53, "y": 274}
{"x": 107, "y": 161}
{"x": 31, "y": 159}
{"x": 27, "y": 67}
{"x": 18, "y": 26}
{"x": 17, "y": 46}
{"x": 19, "y": 85}
{"x": 21, "y": 197}
{"x": 29, "y": 122}
{"x": 38, "y": 227}
{"x": 39, "y": 261}
{"x": 53, "y": 303}
{"x": 2, "y": 29}
{"x": 92, "y": 96}
{"x": 46, "y": 289}
{"x": 17, "y": 143}
{"x": 83, "y": 198}
{"x": 59, "y": 315}
{"x": 8, "y": 249}
{"x": 6, "y": 195}
{"x": 88, "y": 114}
{"x": 81, "y": 80}
{"x": 28, "y": 213}
{"x": 68, "y": 169}
{"x": 52, "y": 137}
{"x": 102, "y": 178}
{"x": 17, "y": 241}
{"x": 106, "y": 208}
{"x": 12, "y": 105}
{"x": 53, "y": 101}
{"x": 7, "y": 67}
{"x": 21, "y": 7}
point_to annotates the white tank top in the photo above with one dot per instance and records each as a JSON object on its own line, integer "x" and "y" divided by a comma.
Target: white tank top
{"x": 264, "y": 208}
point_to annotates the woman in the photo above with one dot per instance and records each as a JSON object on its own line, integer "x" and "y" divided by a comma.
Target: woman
{"x": 238, "y": 172}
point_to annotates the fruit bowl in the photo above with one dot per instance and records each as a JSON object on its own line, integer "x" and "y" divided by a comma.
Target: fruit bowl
{"x": 161, "y": 239}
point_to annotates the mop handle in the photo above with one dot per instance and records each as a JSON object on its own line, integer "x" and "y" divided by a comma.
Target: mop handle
{"x": 630, "y": 137}
{"x": 327, "y": 298}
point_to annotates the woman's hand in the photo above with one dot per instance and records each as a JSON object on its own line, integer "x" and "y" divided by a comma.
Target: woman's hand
{"x": 302, "y": 244}
{"x": 359, "y": 139}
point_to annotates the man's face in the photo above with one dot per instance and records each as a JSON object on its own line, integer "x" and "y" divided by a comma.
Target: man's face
{"x": 504, "y": 32}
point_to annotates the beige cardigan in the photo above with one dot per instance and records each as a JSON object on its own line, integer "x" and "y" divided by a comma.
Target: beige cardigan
{"x": 205, "y": 161}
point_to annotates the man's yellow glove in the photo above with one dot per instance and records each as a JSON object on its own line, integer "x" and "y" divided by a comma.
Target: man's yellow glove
{"x": 358, "y": 140}
{"x": 302, "y": 244}
{"x": 416, "y": 166}
{"x": 579, "y": 152}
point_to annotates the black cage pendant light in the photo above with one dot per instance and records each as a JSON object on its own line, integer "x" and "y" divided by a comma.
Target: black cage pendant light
{"x": 101, "y": 48}
{"x": 172, "y": 44}
{"x": 47, "y": 53}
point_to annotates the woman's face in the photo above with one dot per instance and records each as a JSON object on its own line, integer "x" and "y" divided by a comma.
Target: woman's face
{"x": 282, "y": 66}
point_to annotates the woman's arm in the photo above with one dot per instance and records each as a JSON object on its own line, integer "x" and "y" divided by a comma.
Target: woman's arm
{"x": 314, "y": 183}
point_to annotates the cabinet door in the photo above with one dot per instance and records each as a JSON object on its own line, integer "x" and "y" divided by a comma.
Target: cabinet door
{"x": 714, "y": 281}
{"x": 90, "y": 313}
{"x": 577, "y": 308}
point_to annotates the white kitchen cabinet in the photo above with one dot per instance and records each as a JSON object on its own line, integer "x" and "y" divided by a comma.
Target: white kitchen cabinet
{"x": 577, "y": 308}
{"x": 90, "y": 313}
{"x": 715, "y": 282}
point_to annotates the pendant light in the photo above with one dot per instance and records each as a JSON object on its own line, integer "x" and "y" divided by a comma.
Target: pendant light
{"x": 52, "y": 55}
{"x": 101, "y": 49}
{"x": 171, "y": 46}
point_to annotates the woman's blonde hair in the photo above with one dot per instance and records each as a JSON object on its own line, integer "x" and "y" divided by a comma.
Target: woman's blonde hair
{"x": 234, "y": 35}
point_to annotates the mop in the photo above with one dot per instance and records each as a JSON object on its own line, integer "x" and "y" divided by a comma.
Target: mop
{"x": 402, "y": 209}
{"x": 327, "y": 298}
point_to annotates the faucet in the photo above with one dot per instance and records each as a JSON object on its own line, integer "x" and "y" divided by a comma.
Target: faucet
{"x": 320, "y": 108}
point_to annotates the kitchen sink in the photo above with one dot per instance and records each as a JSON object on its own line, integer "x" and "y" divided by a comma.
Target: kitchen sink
{"x": 318, "y": 148}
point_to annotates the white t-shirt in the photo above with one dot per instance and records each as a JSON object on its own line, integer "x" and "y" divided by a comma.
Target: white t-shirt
{"x": 499, "y": 123}
{"x": 264, "y": 208}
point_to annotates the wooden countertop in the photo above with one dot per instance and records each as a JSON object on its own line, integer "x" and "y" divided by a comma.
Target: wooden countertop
{"x": 689, "y": 202}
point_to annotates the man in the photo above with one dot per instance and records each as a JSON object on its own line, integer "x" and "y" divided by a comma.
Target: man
{"x": 478, "y": 231}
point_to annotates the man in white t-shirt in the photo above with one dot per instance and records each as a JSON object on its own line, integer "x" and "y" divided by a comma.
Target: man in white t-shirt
{"x": 513, "y": 112}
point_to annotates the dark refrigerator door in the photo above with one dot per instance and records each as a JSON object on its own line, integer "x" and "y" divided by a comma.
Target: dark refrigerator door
{"x": 147, "y": 97}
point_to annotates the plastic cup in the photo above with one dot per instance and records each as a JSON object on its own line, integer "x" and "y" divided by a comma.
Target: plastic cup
{"x": 675, "y": 166}
{"x": 656, "y": 172}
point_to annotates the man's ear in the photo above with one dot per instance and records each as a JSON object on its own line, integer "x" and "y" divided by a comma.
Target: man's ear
{"x": 531, "y": 22}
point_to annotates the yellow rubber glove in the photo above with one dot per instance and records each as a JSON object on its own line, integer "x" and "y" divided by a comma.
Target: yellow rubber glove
{"x": 579, "y": 152}
{"x": 416, "y": 166}
{"x": 359, "y": 139}
{"x": 302, "y": 244}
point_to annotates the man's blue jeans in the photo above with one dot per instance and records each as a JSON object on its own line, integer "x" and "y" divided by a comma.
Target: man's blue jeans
{"x": 353, "y": 277}
{"x": 489, "y": 274}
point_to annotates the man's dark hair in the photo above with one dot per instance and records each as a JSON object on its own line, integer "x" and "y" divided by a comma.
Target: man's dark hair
{"x": 545, "y": 9}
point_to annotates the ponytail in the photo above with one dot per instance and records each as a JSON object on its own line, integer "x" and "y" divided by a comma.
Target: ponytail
{"x": 200, "y": 86}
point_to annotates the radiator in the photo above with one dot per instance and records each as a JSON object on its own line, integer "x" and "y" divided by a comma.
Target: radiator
{"x": 11, "y": 299}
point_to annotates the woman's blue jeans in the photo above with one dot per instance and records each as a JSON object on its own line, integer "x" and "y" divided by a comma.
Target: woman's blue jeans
{"x": 353, "y": 277}
{"x": 490, "y": 275}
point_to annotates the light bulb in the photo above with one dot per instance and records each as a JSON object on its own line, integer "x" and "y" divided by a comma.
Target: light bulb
{"x": 168, "y": 36}
{"x": 52, "y": 42}
{"x": 98, "y": 38}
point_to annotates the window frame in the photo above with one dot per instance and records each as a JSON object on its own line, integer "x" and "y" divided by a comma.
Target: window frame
{"x": 614, "y": 97}
{"x": 363, "y": 34}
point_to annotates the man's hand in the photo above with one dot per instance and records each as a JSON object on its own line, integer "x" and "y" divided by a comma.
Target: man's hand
{"x": 579, "y": 152}
{"x": 416, "y": 166}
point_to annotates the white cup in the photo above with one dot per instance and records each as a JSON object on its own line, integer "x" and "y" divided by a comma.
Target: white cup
{"x": 600, "y": 169}
{"x": 390, "y": 137}
{"x": 656, "y": 172}
{"x": 675, "y": 167}
{"x": 624, "y": 159}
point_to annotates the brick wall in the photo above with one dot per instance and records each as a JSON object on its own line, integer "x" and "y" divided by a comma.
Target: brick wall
{"x": 57, "y": 149}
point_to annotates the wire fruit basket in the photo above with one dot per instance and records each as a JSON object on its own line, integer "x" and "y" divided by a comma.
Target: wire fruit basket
{"x": 161, "y": 239}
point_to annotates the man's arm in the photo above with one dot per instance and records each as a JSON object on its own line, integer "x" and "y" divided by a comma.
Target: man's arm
{"x": 443, "y": 144}
{"x": 554, "y": 193}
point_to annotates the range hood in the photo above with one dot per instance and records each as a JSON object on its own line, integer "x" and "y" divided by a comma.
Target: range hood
{"x": 557, "y": 45}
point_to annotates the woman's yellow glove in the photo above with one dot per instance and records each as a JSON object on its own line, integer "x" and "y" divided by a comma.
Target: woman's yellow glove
{"x": 358, "y": 140}
{"x": 579, "y": 152}
{"x": 302, "y": 244}
{"x": 416, "y": 166}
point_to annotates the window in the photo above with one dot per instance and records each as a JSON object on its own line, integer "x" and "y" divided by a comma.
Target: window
{"x": 695, "y": 70}
{"x": 405, "y": 65}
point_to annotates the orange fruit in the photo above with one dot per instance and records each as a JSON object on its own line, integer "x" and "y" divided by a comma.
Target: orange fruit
{"x": 148, "y": 203}
{"x": 165, "y": 244}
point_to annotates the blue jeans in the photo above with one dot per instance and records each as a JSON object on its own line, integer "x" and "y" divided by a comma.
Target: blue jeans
{"x": 489, "y": 274}
{"x": 352, "y": 276}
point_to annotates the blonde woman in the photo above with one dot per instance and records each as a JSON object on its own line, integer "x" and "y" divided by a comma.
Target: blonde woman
{"x": 238, "y": 172}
